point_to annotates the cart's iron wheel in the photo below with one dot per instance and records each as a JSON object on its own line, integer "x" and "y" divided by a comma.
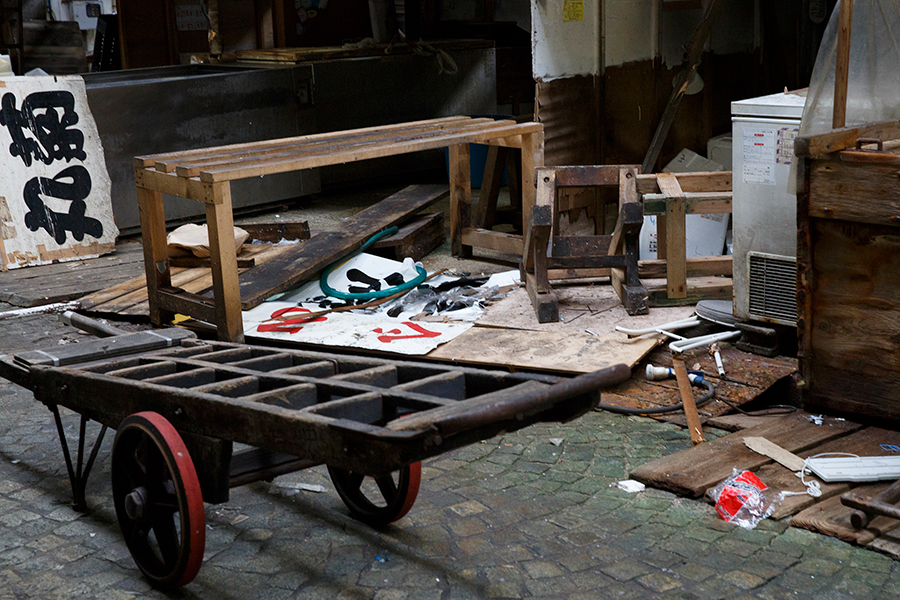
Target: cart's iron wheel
{"x": 158, "y": 500}
{"x": 378, "y": 500}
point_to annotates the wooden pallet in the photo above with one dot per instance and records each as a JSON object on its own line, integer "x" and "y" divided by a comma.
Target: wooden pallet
{"x": 693, "y": 472}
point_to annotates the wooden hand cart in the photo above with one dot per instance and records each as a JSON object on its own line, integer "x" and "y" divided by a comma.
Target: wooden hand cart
{"x": 179, "y": 404}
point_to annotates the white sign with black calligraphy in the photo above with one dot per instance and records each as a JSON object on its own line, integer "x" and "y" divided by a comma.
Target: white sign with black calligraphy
{"x": 55, "y": 191}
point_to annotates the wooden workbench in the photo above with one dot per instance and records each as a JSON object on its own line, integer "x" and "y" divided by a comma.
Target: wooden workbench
{"x": 205, "y": 175}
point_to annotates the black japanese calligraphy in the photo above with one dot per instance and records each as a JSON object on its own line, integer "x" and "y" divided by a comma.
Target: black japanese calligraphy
{"x": 54, "y": 135}
{"x": 72, "y": 184}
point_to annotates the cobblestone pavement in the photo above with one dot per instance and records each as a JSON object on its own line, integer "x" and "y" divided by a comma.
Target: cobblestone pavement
{"x": 515, "y": 517}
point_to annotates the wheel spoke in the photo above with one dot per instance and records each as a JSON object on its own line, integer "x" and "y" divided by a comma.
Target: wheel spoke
{"x": 134, "y": 471}
{"x": 166, "y": 536}
{"x": 387, "y": 487}
{"x": 354, "y": 480}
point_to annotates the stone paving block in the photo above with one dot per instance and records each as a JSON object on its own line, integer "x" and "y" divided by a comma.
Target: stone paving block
{"x": 659, "y": 582}
{"x": 626, "y": 569}
{"x": 743, "y": 579}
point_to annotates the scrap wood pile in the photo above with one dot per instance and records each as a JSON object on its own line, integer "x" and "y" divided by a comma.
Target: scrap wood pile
{"x": 695, "y": 472}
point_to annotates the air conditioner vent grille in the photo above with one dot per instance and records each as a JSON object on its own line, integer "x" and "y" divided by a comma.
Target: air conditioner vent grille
{"x": 773, "y": 288}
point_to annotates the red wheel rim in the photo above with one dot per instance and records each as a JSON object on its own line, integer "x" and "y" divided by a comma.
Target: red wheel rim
{"x": 393, "y": 497}
{"x": 158, "y": 500}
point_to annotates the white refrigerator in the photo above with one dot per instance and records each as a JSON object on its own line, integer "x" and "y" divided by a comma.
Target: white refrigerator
{"x": 764, "y": 212}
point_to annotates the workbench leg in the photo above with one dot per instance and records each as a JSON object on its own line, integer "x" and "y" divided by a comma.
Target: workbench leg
{"x": 223, "y": 261}
{"x": 676, "y": 249}
{"x": 532, "y": 145}
{"x": 626, "y": 241}
{"x": 460, "y": 199}
{"x": 156, "y": 256}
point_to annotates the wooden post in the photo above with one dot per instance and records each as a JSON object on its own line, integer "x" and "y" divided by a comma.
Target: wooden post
{"x": 532, "y": 156}
{"x": 842, "y": 65}
{"x": 223, "y": 261}
{"x": 156, "y": 256}
{"x": 687, "y": 399}
{"x": 460, "y": 198}
{"x": 676, "y": 244}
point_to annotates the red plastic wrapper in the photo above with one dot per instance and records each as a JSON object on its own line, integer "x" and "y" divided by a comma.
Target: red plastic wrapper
{"x": 744, "y": 499}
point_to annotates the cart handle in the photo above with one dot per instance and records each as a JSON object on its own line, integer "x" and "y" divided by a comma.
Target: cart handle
{"x": 489, "y": 409}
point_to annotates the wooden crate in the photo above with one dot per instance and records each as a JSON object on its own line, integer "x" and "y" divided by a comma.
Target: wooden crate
{"x": 848, "y": 263}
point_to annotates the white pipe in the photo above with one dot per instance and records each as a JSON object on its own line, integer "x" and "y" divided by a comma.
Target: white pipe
{"x": 688, "y": 322}
{"x": 682, "y": 345}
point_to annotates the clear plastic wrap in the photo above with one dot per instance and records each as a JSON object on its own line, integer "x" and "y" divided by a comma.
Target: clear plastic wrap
{"x": 743, "y": 499}
{"x": 873, "y": 88}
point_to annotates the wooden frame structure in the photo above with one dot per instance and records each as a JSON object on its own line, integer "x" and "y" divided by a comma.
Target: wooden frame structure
{"x": 205, "y": 175}
{"x": 848, "y": 273}
{"x": 618, "y": 252}
{"x": 671, "y": 196}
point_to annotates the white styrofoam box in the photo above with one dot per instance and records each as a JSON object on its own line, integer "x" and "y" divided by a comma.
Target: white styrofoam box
{"x": 718, "y": 149}
{"x": 704, "y": 234}
{"x": 689, "y": 161}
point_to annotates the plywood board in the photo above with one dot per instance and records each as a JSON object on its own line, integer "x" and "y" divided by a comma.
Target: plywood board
{"x": 55, "y": 193}
{"x": 595, "y": 307}
{"x": 541, "y": 350}
{"x": 691, "y": 472}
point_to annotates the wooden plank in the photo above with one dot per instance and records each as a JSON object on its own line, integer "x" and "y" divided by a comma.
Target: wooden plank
{"x": 687, "y": 401}
{"x": 498, "y": 241}
{"x": 460, "y": 173}
{"x": 761, "y": 445}
{"x": 736, "y": 422}
{"x": 365, "y": 152}
{"x": 414, "y": 240}
{"x": 310, "y": 146}
{"x": 669, "y": 186}
{"x": 702, "y": 181}
{"x": 151, "y": 161}
{"x": 676, "y": 249}
{"x": 302, "y": 261}
{"x": 276, "y": 231}
{"x": 541, "y": 350}
{"x": 843, "y": 138}
{"x": 224, "y": 266}
{"x": 832, "y": 518}
{"x": 696, "y": 266}
{"x": 842, "y": 65}
{"x": 695, "y": 203}
{"x": 836, "y": 186}
{"x": 589, "y": 175}
{"x": 691, "y": 472}
{"x": 91, "y": 350}
{"x": 76, "y": 281}
{"x": 698, "y": 288}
